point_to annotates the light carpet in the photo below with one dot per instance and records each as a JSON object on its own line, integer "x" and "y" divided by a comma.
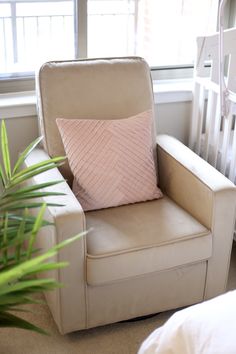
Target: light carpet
{"x": 119, "y": 338}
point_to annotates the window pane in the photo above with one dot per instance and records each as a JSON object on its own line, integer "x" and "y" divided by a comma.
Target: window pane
{"x": 5, "y": 10}
{"x": 34, "y": 32}
{"x": 162, "y": 31}
{"x": 111, "y": 27}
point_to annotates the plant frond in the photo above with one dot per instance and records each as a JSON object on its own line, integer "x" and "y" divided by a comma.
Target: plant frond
{"x": 9, "y": 320}
{"x": 5, "y": 151}
{"x": 25, "y": 154}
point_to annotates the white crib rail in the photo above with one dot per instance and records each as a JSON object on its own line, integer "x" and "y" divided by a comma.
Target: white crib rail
{"x": 213, "y": 135}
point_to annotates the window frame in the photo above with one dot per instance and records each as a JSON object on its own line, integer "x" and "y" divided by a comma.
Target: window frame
{"x": 26, "y": 82}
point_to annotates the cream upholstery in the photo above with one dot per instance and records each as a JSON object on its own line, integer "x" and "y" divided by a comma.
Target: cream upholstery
{"x": 142, "y": 258}
{"x": 135, "y": 240}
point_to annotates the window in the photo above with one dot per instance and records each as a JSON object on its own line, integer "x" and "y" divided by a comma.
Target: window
{"x": 33, "y": 32}
{"x": 162, "y": 31}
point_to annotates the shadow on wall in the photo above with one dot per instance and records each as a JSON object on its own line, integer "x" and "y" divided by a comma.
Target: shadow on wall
{"x": 21, "y": 132}
{"x": 174, "y": 119}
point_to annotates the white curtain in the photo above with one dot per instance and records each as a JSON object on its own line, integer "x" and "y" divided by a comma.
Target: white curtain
{"x": 166, "y": 29}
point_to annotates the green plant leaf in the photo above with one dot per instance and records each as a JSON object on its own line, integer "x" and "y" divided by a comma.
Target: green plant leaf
{"x": 36, "y": 227}
{"x": 12, "y": 308}
{"x": 13, "y": 300}
{"x": 47, "y": 267}
{"x": 20, "y": 236}
{"x": 28, "y": 196}
{"x": 68, "y": 241}
{"x": 12, "y": 261}
{"x": 9, "y": 320}
{"x": 12, "y": 232}
{"x": 25, "y": 153}
{"x": 5, "y": 151}
{"x": 2, "y": 177}
{"x": 28, "y": 286}
{"x": 30, "y": 189}
{"x": 15, "y": 219}
{"x": 22, "y": 269}
{"x": 19, "y": 206}
{"x": 27, "y": 175}
{"x": 46, "y": 163}
{"x": 4, "y": 241}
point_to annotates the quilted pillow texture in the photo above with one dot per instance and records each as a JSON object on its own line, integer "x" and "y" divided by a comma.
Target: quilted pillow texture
{"x": 111, "y": 160}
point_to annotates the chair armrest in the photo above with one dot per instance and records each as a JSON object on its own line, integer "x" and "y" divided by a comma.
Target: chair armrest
{"x": 68, "y": 303}
{"x": 71, "y": 208}
{"x": 206, "y": 194}
{"x": 189, "y": 180}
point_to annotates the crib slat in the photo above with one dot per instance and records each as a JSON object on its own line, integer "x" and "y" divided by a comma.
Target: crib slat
{"x": 231, "y": 82}
{"x": 194, "y": 118}
{"x": 232, "y": 169}
{"x": 200, "y": 117}
{"x": 210, "y": 123}
{"x": 227, "y": 125}
{"x": 216, "y": 135}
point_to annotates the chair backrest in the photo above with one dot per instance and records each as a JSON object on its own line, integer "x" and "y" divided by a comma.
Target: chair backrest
{"x": 111, "y": 88}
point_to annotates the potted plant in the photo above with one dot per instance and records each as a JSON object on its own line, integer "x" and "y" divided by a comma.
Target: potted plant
{"x": 20, "y": 261}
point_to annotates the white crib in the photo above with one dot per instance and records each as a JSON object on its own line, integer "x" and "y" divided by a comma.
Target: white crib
{"x": 213, "y": 133}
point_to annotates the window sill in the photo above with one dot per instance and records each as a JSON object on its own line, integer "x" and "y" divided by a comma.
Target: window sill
{"x": 20, "y": 104}
{"x": 23, "y": 104}
{"x": 169, "y": 91}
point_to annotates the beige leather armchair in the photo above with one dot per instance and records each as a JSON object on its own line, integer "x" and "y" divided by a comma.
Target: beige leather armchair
{"x": 141, "y": 258}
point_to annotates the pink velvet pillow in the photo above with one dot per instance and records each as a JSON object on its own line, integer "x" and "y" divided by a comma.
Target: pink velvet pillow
{"x": 111, "y": 160}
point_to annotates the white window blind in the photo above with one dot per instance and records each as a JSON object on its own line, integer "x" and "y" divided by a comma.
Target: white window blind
{"x": 162, "y": 31}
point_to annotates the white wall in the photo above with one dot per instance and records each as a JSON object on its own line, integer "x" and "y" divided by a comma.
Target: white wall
{"x": 21, "y": 132}
{"x": 174, "y": 119}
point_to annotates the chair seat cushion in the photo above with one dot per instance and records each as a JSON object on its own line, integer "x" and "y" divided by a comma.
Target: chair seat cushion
{"x": 133, "y": 240}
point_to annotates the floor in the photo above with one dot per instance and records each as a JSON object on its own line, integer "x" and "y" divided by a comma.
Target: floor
{"x": 119, "y": 338}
